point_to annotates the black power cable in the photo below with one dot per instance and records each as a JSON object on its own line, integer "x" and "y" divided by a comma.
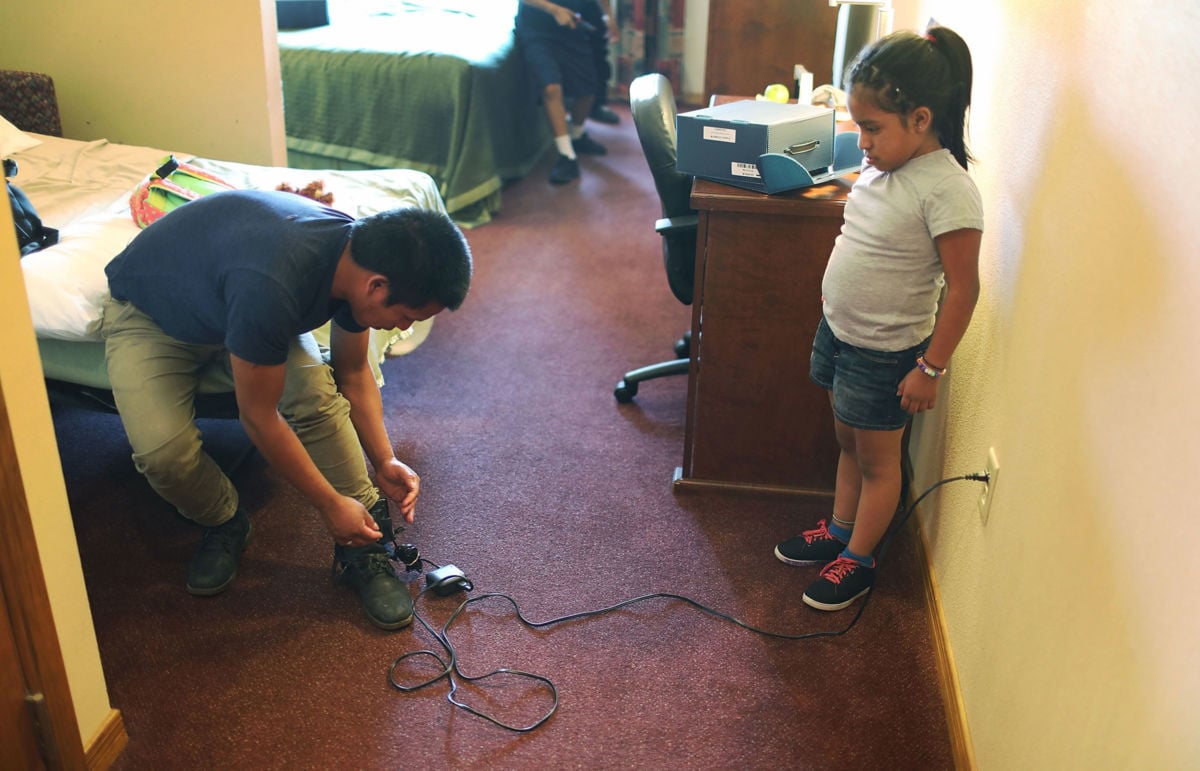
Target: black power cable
{"x": 451, "y": 580}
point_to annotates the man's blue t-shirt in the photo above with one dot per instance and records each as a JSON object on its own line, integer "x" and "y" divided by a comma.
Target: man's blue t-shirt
{"x": 247, "y": 269}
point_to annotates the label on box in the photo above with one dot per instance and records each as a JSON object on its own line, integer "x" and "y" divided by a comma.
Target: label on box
{"x": 718, "y": 134}
{"x": 743, "y": 170}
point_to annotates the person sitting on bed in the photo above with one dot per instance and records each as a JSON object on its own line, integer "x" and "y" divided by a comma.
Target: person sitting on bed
{"x": 559, "y": 52}
{"x": 244, "y": 276}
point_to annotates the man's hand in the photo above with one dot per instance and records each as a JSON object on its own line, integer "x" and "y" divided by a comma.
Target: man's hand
{"x": 401, "y": 484}
{"x": 350, "y": 523}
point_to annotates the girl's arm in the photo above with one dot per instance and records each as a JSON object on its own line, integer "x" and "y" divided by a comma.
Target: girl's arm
{"x": 959, "y": 253}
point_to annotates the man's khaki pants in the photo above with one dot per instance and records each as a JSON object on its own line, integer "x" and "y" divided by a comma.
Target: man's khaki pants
{"x": 154, "y": 379}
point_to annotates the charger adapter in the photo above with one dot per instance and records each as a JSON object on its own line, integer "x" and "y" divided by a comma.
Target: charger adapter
{"x": 447, "y": 580}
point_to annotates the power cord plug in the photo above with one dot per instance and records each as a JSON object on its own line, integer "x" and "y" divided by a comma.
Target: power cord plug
{"x": 447, "y": 580}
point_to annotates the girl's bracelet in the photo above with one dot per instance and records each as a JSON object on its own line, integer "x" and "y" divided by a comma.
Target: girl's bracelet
{"x": 928, "y": 368}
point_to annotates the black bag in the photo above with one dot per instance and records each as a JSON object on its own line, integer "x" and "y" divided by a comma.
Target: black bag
{"x": 31, "y": 233}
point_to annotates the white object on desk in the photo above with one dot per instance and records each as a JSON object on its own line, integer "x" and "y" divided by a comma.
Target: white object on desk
{"x": 804, "y": 84}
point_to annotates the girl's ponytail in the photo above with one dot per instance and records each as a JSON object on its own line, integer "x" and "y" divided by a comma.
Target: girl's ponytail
{"x": 951, "y": 124}
{"x": 905, "y": 70}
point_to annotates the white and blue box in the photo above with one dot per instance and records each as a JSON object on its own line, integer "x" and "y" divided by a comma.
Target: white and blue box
{"x": 723, "y": 143}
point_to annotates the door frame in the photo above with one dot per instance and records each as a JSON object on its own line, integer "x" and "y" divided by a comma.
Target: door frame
{"x": 30, "y": 616}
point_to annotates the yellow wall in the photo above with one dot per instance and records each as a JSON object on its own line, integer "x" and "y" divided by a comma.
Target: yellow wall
{"x": 1072, "y": 612}
{"x": 37, "y": 455}
{"x": 196, "y": 77}
{"x": 199, "y": 77}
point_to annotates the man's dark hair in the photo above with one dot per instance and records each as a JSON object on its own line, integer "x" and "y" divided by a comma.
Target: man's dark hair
{"x": 422, "y": 253}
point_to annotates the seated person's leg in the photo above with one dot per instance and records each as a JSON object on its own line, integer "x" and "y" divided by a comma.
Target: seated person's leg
{"x": 579, "y": 83}
{"x": 595, "y": 15}
{"x": 546, "y": 76}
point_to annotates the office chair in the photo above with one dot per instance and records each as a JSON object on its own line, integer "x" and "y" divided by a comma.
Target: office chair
{"x": 652, "y": 103}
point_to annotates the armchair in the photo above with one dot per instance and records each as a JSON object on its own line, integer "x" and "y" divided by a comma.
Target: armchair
{"x": 29, "y": 102}
{"x": 652, "y": 103}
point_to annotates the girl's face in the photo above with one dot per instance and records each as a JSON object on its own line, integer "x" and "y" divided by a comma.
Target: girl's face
{"x": 886, "y": 140}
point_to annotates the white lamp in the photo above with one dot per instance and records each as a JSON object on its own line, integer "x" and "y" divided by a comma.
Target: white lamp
{"x": 859, "y": 23}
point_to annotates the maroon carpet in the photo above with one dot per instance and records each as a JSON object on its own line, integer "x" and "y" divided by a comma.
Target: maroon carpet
{"x": 539, "y": 486}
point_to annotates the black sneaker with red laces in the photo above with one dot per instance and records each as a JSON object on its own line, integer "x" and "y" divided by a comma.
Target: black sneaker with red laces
{"x": 842, "y": 582}
{"x": 812, "y": 547}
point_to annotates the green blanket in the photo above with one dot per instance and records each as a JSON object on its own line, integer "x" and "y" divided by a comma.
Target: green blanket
{"x": 433, "y": 85}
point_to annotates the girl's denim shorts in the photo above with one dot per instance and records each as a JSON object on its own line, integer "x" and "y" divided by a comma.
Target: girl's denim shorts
{"x": 863, "y": 382}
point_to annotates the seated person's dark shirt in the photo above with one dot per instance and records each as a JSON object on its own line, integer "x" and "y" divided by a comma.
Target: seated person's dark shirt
{"x": 534, "y": 22}
{"x": 250, "y": 270}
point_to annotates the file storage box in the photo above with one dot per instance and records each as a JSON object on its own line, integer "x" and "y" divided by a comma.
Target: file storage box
{"x": 723, "y": 143}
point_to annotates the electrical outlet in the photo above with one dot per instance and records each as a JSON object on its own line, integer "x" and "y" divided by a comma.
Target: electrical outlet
{"x": 989, "y": 489}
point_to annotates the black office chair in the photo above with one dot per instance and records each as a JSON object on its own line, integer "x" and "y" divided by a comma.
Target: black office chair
{"x": 652, "y": 102}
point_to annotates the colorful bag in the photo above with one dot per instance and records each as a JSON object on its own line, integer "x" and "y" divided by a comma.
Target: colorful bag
{"x": 170, "y": 186}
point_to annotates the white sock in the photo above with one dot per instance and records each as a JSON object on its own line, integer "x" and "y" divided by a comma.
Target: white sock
{"x": 576, "y": 131}
{"x": 564, "y": 146}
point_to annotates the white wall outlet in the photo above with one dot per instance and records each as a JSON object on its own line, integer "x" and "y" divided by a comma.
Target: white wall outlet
{"x": 989, "y": 489}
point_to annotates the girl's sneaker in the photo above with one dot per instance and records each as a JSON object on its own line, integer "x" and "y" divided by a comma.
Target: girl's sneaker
{"x": 842, "y": 582}
{"x": 812, "y": 547}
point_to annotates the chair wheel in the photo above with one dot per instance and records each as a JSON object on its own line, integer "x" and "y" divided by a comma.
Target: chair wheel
{"x": 683, "y": 348}
{"x": 624, "y": 392}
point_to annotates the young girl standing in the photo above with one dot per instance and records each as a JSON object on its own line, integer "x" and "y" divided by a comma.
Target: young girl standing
{"x": 913, "y": 226}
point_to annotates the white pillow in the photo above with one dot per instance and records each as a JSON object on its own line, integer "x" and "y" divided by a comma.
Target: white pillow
{"x": 13, "y": 139}
{"x": 66, "y": 284}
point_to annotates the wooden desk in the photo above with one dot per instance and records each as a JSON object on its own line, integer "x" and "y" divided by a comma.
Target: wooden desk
{"x": 755, "y": 422}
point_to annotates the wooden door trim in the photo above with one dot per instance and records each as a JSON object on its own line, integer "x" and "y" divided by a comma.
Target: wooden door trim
{"x": 24, "y": 588}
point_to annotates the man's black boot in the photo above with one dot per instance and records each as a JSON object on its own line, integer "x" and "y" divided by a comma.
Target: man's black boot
{"x": 215, "y": 564}
{"x": 368, "y": 569}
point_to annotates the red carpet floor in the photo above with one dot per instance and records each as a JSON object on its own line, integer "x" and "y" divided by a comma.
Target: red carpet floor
{"x": 542, "y": 488}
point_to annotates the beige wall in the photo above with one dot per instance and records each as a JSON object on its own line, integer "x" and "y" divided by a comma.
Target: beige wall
{"x": 1073, "y": 611}
{"x": 221, "y": 98}
{"x": 37, "y": 454}
{"x": 201, "y": 78}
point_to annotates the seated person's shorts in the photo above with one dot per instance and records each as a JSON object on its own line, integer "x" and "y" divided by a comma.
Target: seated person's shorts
{"x": 567, "y": 59}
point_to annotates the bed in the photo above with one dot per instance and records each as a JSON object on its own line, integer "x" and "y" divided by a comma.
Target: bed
{"x": 83, "y": 189}
{"x": 433, "y": 85}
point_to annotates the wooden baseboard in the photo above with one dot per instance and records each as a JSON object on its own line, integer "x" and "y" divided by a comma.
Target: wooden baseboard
{"x": 956, "y": 715}
{"x": 108, "y": 743}
{"x": 685, "y": 485}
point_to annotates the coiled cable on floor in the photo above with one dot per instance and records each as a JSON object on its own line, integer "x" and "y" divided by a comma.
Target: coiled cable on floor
{"x": 450, "y": 670}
